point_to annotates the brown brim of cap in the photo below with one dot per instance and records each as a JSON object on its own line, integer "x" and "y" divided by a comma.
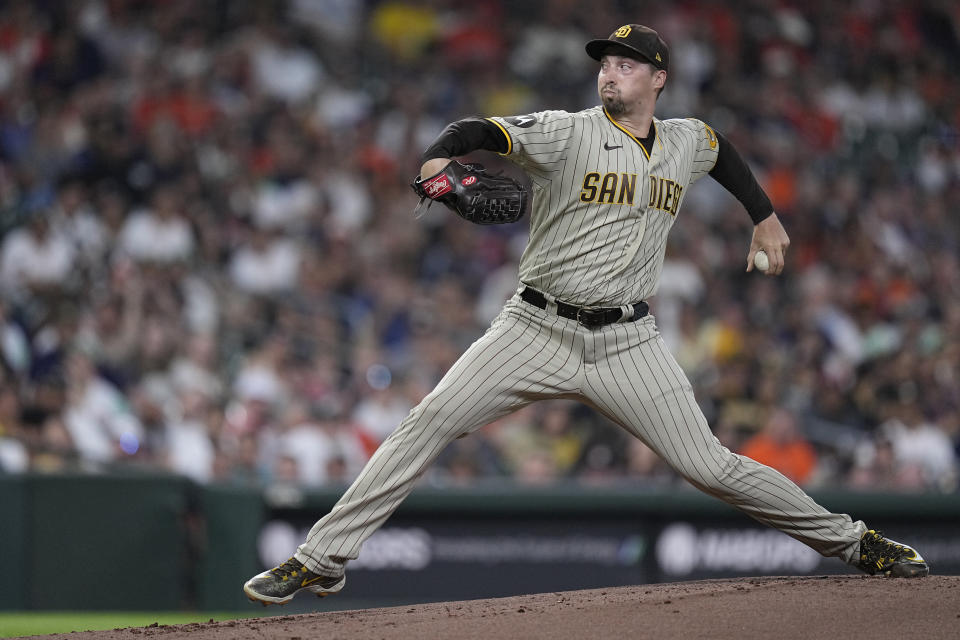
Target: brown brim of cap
{"x": 597, "y": 48}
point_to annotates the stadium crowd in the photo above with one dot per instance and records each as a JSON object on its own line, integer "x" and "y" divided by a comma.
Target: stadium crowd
{"x": 209, "y": 262}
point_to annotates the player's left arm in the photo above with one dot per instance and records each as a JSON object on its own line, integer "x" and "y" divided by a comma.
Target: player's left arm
{"x": 735, "y": 176}
{"x": 460, "y": 138}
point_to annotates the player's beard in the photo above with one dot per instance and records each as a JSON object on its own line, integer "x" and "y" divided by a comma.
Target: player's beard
{"x": 613, "y": 103}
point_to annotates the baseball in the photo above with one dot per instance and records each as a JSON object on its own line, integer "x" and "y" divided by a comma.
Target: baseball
{"x": 761, "y": 261}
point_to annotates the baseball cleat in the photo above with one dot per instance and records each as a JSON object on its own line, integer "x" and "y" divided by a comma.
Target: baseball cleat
{"x": 889, "y": 557}
{"x": 280, "y": 584}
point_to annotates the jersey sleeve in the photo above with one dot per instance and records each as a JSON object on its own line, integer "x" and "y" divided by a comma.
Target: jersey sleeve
{"x": 704, "y": 147}
{"x": 537, "y": 141}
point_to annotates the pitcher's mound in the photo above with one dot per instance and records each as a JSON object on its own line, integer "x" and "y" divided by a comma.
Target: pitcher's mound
{"x": 773, "y": 607}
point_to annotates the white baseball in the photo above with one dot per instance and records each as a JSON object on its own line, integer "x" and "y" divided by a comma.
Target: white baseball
{"x": 761, "y": 261}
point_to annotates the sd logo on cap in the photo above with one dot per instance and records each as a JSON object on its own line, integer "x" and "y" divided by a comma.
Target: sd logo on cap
{"x": 639, "y": 41}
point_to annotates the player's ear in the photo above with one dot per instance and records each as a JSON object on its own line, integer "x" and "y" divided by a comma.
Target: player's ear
{"x": 659, "y": 79}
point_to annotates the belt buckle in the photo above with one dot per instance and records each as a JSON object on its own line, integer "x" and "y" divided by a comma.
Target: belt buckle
{"x": 589, "y": 318}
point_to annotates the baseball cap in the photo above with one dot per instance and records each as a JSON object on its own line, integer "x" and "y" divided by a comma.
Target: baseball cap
{"x": 641, "y": 40}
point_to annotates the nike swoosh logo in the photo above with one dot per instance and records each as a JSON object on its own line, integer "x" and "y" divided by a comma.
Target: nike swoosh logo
{"x": 609, "y": 148}
{"x": 310, "y": 581}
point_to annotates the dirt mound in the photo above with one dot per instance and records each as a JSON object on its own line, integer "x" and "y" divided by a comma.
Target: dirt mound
{"x": 781, "y": 607}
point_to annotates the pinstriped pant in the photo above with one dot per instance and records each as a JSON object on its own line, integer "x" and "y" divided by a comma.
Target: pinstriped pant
{"x": 622, "y": 370}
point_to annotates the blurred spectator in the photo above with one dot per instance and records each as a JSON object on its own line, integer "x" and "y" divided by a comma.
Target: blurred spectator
{"x": 539, "y": 443}
{"x": 305, "y": 444}
{"x": 781, "y": 445}
{"x": 323, "y": 451}
{"x": 160, "y": 234}
{"x": 73, "y": 217}
{"x": 556, "y": 40}
{"x": 680, "y": 282}
{"x": 15, "y": 347}
{"x": 920, "y": 449}
{"x": 190, "y": 449}
{"x": 97, "y": 416}
{"x": 237, "y": 462}
{"x": 405, "y": 30}
{"x": 14, "y": 457}
{"x": 55, "y": 452}
{"x": 339, "y": 20}
{"x": 112, "y": 328}
{"x": 283, "y": 68}
{"x": 875, "y": 468}
{"x": 408, "y": 124}
{"x": 36, "y": 260}
{"x": 381, "y": 410}
{"x": 194, "y": 369}
{"x": 268, "y": 264}
{"x": 259, "y": 378}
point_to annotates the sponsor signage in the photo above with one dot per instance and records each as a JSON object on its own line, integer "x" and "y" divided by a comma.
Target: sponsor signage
{"x": 683, "y": 550}
{"x": 430, "y": 557}
{"x": 416, "y": 549}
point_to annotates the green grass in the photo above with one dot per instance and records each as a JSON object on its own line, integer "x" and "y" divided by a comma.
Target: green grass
{"x": 33, "y": 623}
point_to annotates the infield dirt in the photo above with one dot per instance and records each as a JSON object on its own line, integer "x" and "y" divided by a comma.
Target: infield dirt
{"x": 743, "y": 609}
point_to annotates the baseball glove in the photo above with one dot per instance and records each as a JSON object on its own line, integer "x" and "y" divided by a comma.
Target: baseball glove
{"x": 474, "y": 194}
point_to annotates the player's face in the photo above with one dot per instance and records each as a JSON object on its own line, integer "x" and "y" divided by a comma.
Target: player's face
{"x": 625, "y": 84}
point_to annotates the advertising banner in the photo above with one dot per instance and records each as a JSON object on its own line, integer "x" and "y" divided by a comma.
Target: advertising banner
{"x": 422, "y": 558}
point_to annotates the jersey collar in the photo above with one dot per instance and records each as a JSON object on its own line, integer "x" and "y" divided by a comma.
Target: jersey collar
{"x": 653, "y": 123}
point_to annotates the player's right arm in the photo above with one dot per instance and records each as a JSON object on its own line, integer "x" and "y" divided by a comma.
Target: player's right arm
{"x": 731, "y": 171}
{"x": 716, "y": 155}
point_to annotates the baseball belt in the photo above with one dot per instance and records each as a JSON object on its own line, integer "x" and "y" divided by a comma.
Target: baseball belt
{"x": 589, "y": 317}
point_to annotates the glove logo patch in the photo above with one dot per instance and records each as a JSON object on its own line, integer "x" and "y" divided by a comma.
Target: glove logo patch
{"x": 469, "y": 180}
{"x": 437, "y": 186}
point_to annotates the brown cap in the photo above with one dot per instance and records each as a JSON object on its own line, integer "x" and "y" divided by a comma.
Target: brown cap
{"x": 640, "y": 41}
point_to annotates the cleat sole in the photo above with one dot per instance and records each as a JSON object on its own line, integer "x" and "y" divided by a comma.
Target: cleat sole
{"x": 908, "y": 572}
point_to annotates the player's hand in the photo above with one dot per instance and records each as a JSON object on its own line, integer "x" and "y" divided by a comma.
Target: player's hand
{"x": 433, "y": 167}
{"x": 770, "y": 236}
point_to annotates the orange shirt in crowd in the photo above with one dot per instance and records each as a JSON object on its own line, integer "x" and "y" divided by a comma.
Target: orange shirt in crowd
{"x": 796, "y": 459}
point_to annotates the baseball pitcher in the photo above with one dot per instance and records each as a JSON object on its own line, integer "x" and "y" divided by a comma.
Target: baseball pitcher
{"x": 607, "y": 186}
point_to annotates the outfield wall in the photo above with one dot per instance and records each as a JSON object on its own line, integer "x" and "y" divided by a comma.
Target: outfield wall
{"x": 164, "y": 543}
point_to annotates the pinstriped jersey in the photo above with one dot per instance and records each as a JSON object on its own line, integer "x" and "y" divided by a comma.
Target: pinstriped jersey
{"x": 602, "y": 208}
